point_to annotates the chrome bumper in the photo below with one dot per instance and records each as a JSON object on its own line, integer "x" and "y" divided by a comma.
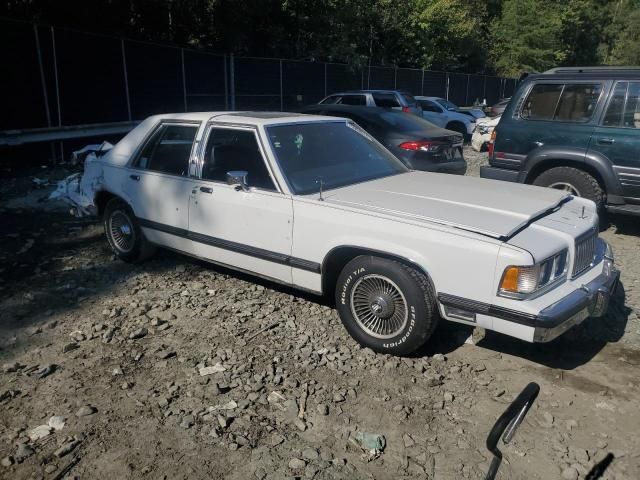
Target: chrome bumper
{"x": 591, "y": 300}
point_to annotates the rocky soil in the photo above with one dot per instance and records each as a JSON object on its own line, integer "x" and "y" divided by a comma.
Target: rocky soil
{"x": 177, "y": 369}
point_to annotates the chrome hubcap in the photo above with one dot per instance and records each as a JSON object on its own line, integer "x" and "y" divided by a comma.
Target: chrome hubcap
{"x": 379, "y": 306}
{"x": 121, "y": 231}
{"x": 565, "y": 187}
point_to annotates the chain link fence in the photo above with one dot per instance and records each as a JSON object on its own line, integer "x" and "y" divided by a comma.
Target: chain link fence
{"x": 56, "y": 77}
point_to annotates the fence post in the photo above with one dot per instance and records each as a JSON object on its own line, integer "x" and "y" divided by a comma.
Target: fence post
{"x": 484, "y": 88}
{"x": 422, "y": 84}
{"x": 447, "y": 89}
{"x": 226, "y": 83}
{"x": 281, "y": 91}
{"x": 369, "y": 76}
{"x": 126, "y": 78}
{"x": 57, "y": 84}
{"x": 184, "y": 80}
{"x": 42, "y": 79}
{"x": 466, "y": 95}
{"x": 395, "y": 78}
{"x": 233, "y": 82}
{"x": 325, "y": 79}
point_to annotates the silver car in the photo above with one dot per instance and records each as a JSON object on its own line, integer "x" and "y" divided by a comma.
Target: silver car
{"x": 395, "y": 99}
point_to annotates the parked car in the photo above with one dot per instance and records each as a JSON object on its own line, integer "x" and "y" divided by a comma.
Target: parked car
{"x": 498, "y": 108}
{"x": 395, "y": 99}
{"x": 577, "y": 130}
{"x": 315, "y": 202}
{"x": 419, "y": 144}
{"x": 443, "y": 113}
{"x": 482, "y": 133}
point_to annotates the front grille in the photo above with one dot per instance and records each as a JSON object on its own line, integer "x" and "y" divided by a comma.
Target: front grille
{"x": 585, "y": 252}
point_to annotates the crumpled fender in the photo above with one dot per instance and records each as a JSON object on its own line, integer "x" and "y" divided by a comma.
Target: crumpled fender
{"x": 79, "y": 190}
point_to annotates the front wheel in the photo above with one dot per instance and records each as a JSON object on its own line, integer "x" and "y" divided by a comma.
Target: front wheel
{"x": 124, "y": 234}
{"x": 385, "y": 305}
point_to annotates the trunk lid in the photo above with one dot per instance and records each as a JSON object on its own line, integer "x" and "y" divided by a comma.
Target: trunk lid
{"x": 489, "y": 207}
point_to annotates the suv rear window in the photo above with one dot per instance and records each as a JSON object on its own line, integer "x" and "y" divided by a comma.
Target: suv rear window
{"x": 386, "y": 100}
{"x": 561, "y": 102}
{"x": 618, "y": 113}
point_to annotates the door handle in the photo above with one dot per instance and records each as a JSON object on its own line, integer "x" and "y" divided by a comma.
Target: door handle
{"x": 135, "y": 177}
{"x": 606, "y": 141}
{"x": 206, "y": 189}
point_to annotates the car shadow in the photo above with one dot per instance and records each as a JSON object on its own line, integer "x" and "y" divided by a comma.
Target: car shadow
{"x": 573, "y": 349}
{"x": 625, "y": 224}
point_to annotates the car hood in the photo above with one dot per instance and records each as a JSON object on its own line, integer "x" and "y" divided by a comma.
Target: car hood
{"x": 489, "y": 207}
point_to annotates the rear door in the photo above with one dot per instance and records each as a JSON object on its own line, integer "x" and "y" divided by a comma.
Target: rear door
{"x": 158, "y": 184}
{"x": 552, "y": 114}
{"x": 617, "y": 136}
{"x": 353, "y": 99}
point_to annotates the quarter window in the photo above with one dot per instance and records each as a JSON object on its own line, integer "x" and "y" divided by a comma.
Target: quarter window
{"x": 613, "y": 116}
{"x": 228, "y": 150}
{"x": 386, "y": 100}
{"x": 564, "y": 103}
{"x": 353, "y": 100}
{"x": 168, "y": 150}
{"x": 631, "y": 118}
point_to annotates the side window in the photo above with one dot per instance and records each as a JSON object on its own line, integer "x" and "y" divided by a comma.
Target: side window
{"x": 428, "y": 106}
{"x": 631, "y": 117}
{"x": 229, "y": 149}
{"x": 577, "y": 102}
{"x": 385, "y": 100}
{"x": 168, "y": 150}
{"x": 613, "y": 115}
{"x": 354, "y": 100}
{"x": 541, "y": 102}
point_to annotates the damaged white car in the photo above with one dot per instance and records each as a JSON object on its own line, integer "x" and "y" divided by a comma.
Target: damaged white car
{"x": 482, "y": 133}
{"x": 316, "y": 203}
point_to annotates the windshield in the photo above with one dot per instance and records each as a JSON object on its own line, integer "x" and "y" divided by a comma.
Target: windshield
{"x": 447, "y": 104}
{"x": 336, "y": 152}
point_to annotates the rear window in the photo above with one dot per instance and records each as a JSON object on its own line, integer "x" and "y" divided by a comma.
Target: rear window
{"x": 386, "y": 100}
{"x": 561, "y": 102}
{"x": 624, "y": 106}
{"x": 400, "y": 122}
{"x": 411, "y": 101}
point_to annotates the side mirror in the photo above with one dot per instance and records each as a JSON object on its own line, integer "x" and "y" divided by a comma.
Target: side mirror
{"x": 238, "y": 179}
{"x": 508, "y": 423}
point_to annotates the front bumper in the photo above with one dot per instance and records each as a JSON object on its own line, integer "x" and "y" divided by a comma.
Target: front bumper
{"x": 591, "y": 300}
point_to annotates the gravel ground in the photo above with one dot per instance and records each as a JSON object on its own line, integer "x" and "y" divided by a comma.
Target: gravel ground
{"x": 177, "y": 369}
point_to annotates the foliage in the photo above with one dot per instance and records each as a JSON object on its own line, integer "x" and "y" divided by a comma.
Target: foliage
{"x": 504, "y": 36}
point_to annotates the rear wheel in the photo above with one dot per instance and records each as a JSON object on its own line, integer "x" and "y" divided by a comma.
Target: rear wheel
{"x": 574, "y": 181}
{"x": 385, "y": 305}
{"x": 124, "y": 234}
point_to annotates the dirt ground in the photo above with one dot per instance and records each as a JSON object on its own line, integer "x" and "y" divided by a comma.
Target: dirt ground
{"x": 178, "y": 369}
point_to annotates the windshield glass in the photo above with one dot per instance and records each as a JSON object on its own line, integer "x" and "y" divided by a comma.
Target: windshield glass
{"x": 338, "y": 153}
{"x": 447, "y": 104}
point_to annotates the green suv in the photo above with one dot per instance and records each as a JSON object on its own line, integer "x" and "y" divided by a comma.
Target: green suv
{"x": 575, "y": 129}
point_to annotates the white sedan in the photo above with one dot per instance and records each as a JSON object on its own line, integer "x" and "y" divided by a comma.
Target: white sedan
{"x": 316, "y": 203}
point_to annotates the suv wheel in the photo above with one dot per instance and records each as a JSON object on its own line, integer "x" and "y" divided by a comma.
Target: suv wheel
{"x": 385, "y": 305}
{"x": 574, "y": 181}
{"x": 124, "y": 234}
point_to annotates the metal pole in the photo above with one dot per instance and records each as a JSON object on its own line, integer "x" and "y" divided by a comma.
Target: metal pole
{"x": 369, "y": 75}
{"x": 126, "y": 78}
{"x": 55, "y": 76}
{"x": 281, "y": 92}
{"x": 325, "y": 79}
{"x": 422, "y": 84}
{"x": 55, "y": 73}
{"x": 447, "y": 87}
{"x": 226, "y": 84}
{"x": 42, "y": 79}
{"x": 484, "y": 88}
{"x": 233, "y": 83}
{"x": 466, "y": 95}
{"x": 184, "y": 80}
{"x": 395, "y": 78}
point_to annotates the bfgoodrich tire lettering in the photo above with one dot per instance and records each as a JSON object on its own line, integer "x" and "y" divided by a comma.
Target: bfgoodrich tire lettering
{"x": 386, "y": 305}
{"x": 124, "y": 234}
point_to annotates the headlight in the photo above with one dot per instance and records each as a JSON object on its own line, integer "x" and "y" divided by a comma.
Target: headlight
{"x": 524, "y": 282}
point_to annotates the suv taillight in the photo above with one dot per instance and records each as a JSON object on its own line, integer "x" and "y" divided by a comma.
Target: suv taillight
{"x": 406, "y": 109}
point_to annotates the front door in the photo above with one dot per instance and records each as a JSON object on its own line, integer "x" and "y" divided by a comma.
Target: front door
{"x": 617, "y": 137}
{"x": 247, "y": 230}
{"x": 158, "y": 186}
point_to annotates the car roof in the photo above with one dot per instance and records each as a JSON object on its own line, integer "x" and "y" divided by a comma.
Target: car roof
{"x": 423, "y": 97}
{"x": 587, "y": 73}
{"x": 402, "y": 92}
{"x": 253, "y": 118}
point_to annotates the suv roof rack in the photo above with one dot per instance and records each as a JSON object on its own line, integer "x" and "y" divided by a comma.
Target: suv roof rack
{"x": 592, "y": 69}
